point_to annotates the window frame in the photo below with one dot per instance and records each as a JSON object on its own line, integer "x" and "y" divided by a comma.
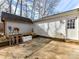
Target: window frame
{"x": 71, "y": 24}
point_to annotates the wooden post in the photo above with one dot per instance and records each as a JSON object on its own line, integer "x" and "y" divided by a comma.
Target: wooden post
{"x": 3, "y": 20}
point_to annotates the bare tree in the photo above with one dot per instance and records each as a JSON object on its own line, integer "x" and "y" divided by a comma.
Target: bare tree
{"x": 16, "y": 6}
{"x": 44, "y": 8}
{"x": 39, "y": 9}
{"x": 49, "y": 7}
{"x": 21, "y": 8}
{"x": 26, "y": 7}
{"x": 33, "y": 10}
{"x": 10, "y": 4}
{"x": 2, "y": 3}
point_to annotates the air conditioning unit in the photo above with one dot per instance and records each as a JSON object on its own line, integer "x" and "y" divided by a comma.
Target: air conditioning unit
{"x": 26, "y": 38}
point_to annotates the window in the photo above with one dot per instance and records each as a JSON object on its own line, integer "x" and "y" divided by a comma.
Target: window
{"x": 71, "y": 24}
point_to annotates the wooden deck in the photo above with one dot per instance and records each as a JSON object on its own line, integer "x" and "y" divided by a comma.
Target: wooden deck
{"x": 41, "y": 48}
{"x": 57, "y": 50}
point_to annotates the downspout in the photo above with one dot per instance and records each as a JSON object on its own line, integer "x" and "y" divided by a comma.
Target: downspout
{"x": 78, "y": 29}
{"x": 66, "y": 30}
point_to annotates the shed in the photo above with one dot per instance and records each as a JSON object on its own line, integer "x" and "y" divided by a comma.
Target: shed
{"x": 11, "y": 21}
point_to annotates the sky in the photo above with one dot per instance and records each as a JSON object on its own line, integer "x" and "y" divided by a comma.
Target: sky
{"x": 66, "y": 5}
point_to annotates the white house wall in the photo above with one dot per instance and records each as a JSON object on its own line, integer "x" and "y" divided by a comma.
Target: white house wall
{"x": 40, "y": 29}
{"x": 51, "y": 29}
{"x": 57, "y": 28}
{"x": 24, "y": 27}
